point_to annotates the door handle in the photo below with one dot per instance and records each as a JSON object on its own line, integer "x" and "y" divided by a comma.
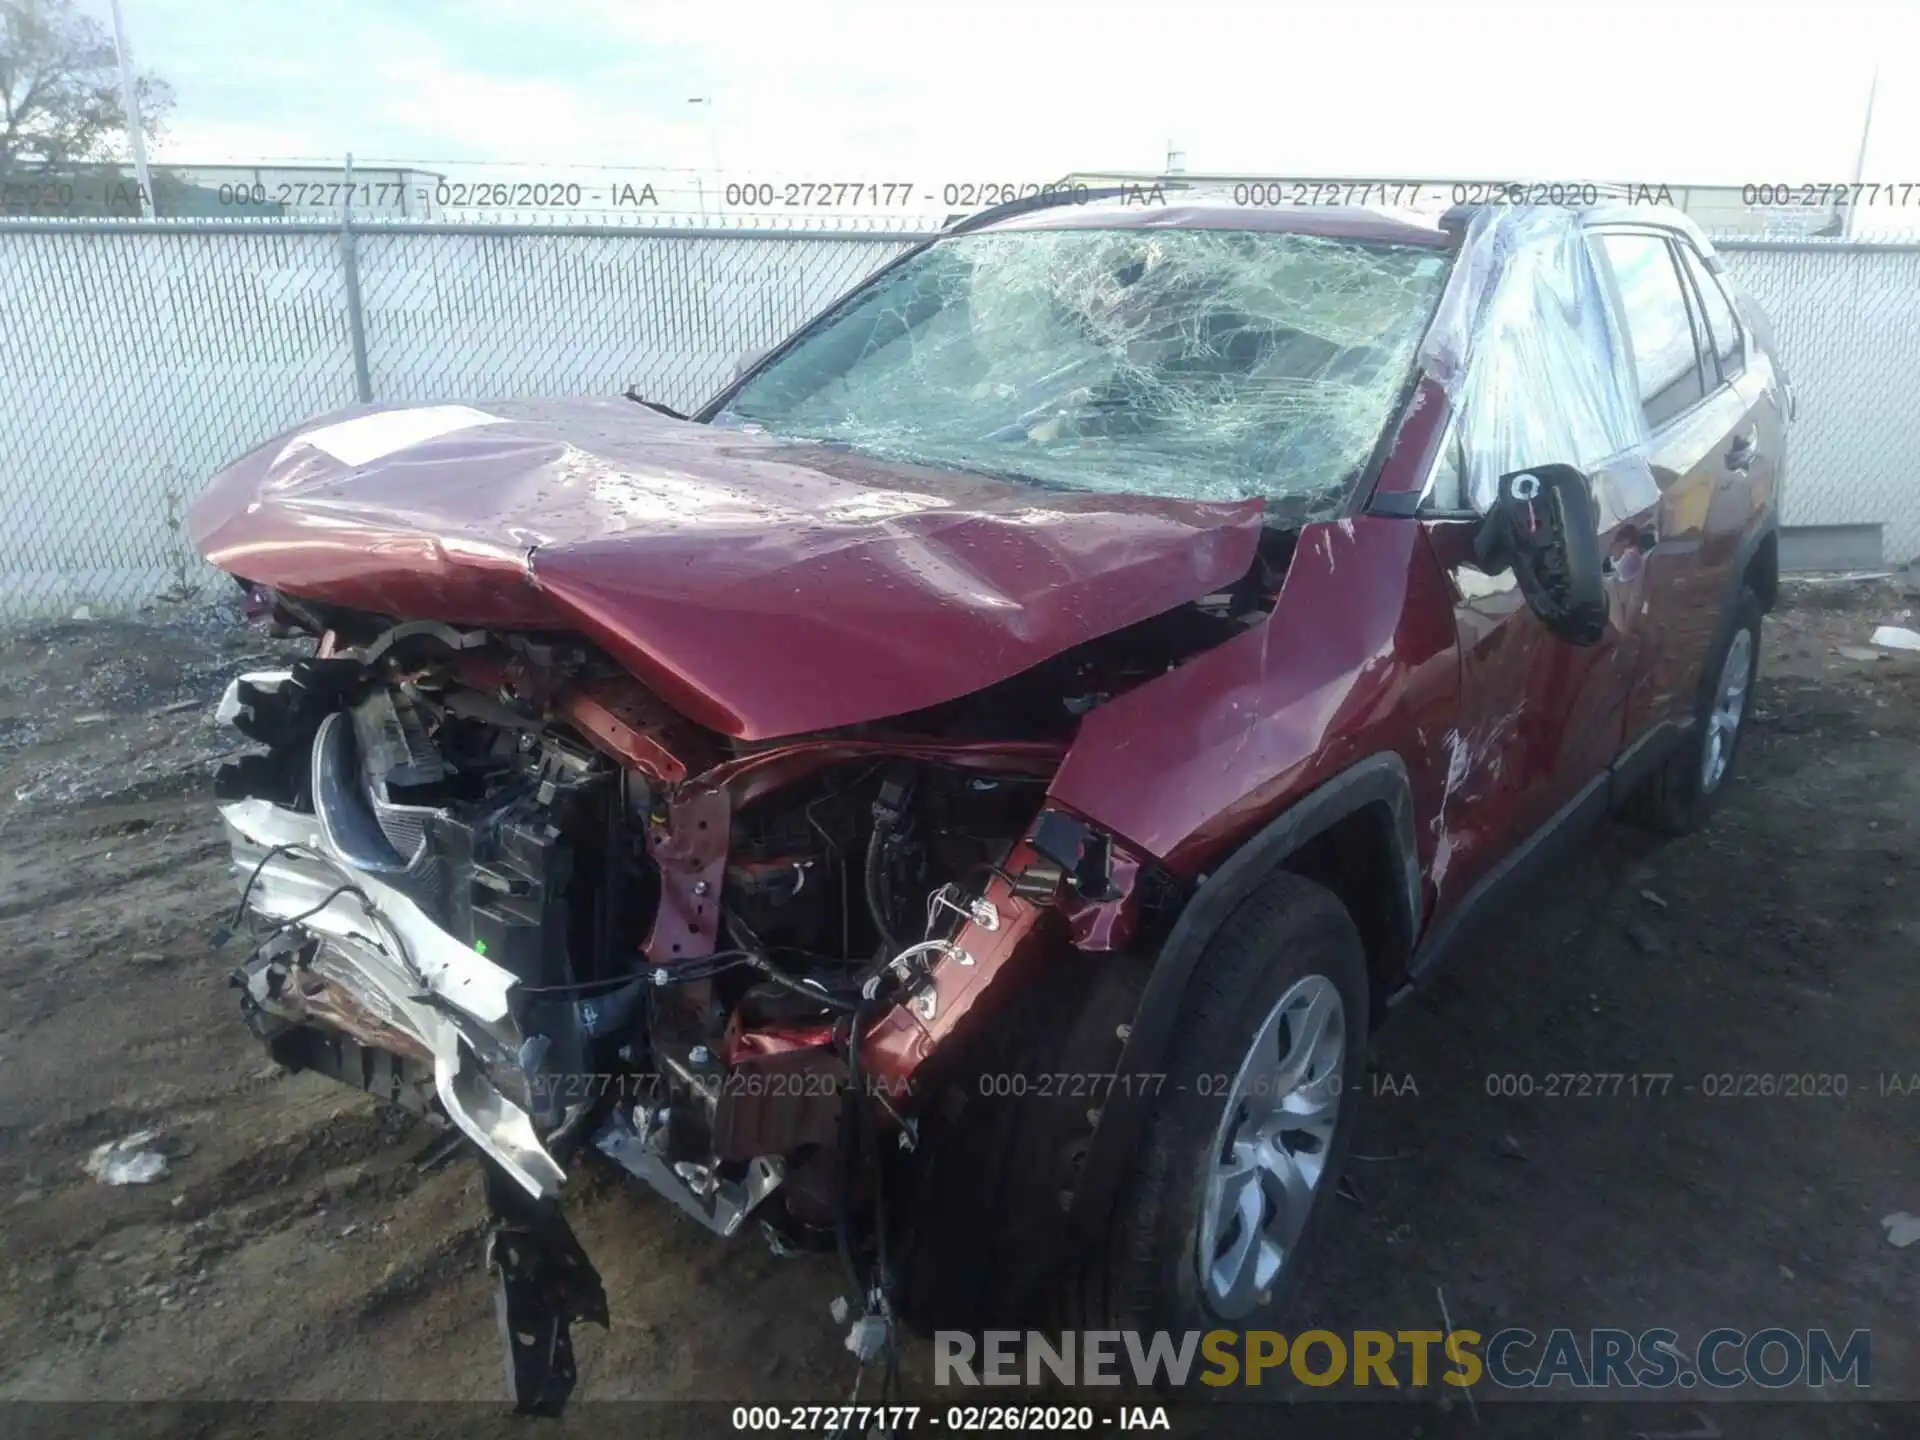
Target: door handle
{"x": 1742, "y": 453}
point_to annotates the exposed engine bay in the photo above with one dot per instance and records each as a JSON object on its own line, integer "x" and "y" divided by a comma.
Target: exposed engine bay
{"x": 490, "y": 876}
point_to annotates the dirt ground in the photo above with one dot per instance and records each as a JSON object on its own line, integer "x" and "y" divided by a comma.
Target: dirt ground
{"x": 302, "y": 1247}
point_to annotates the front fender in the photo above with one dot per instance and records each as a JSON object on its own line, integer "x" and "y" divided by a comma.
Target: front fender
{"x": 1379, "y": 779}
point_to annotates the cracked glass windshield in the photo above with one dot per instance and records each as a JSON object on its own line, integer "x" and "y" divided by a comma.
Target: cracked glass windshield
{"x": 1205, "y": 364}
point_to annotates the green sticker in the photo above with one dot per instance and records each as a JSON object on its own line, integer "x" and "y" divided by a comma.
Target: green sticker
{"x": 479, "y": 947}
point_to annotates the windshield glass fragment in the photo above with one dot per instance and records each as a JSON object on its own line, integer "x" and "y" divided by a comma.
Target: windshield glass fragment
{"x": 1204, "y": 364}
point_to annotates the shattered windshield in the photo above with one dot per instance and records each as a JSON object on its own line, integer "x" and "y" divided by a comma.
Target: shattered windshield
{"x": 1206, "y": 364}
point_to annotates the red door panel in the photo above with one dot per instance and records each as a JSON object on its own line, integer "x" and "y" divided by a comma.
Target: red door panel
{"x": 1687, "y": 569}
{"x": 1539, "y": 718}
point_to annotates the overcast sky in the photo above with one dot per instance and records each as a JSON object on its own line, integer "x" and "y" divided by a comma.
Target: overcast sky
{"x": 980, "y": 89}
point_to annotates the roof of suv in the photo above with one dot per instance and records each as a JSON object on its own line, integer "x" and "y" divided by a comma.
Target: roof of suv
{"x": 1188, "y": 210}
{"x": 1141, "y": 209}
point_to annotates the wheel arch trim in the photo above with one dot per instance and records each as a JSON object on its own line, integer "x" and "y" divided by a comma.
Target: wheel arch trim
{"x": 1380, "y": 778}
{"x": 1766, "y": 527}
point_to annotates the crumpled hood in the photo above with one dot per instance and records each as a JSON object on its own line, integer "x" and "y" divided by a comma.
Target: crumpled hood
{"x": 762, "y": 588}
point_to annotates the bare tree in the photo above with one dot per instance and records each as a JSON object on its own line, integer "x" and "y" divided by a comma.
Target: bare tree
{"x": 59, "y": 89}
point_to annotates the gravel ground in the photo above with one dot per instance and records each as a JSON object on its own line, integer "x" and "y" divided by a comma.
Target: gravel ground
{"x": 299, "y": 1246}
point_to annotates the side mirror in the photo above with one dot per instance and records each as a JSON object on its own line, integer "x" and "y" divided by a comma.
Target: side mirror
{"x": 1544, "y": 525}
{"x": 747, "y": 359}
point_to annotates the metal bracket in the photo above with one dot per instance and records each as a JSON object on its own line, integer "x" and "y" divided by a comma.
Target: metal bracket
{"x": 543, "y": 1282}
{"x": 974, "y": 909}
{"x": 721, "y": 1205}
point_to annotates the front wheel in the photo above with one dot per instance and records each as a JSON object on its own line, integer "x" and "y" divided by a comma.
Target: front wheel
{"x": 1239, "y": 1158}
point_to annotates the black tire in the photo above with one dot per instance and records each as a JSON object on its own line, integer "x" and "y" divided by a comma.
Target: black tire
{"x": 1000, "y": 1150}
{"x": 1675, "y": 799}
{"x": 1146, "y": 1275}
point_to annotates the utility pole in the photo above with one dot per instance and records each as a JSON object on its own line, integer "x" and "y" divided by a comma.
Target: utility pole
{"x": 137, "y": 140}
{"x": 713, "y": 156}
{"x": 713, "y": 134}
{"x": 1860, "y": 160}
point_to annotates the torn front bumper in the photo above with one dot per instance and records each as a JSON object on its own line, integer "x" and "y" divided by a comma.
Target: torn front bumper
{"x": 390, "y": 967}
{"x": 401, "y": 967}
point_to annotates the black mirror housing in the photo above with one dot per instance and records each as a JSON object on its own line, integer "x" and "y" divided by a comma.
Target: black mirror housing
{"x": 1545, "y": 527}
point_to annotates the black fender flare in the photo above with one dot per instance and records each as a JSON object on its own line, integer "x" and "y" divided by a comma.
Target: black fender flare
{"x": 1379, "y": 778}
{"x": 1765, "y": 528}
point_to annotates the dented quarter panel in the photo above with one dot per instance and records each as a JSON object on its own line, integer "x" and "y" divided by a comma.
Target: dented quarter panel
{"x": 758, "y": 587}
{"x": 1358, "y": 656}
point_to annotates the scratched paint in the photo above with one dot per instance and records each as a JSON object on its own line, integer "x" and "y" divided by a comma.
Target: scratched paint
{"x": 1474, "y": 756}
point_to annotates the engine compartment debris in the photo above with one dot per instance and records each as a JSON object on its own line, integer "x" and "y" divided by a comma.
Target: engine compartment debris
{"x": 485, "y": 876}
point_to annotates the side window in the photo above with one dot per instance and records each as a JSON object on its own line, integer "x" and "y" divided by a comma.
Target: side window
{"x": 1725, "y": 329}
{"x": 1658, "y": 325}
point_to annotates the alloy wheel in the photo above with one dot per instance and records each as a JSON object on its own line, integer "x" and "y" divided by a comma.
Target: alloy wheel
{"x": 1729, "y": 706}
{"x": 1270, "y": 1151}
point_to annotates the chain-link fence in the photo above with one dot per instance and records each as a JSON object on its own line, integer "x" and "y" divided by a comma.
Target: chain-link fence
{"x": 1847, "y": 319}
{"x": 140, "y": 356}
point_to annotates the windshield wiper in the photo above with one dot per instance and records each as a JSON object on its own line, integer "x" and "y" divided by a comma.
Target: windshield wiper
{"x": 633, "y": 393}
{"x": 994, "y": 472}
{"x": 844, "y": 446}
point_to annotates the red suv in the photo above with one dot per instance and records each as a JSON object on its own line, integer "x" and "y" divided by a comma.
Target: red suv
{"x": 963, "y": 797}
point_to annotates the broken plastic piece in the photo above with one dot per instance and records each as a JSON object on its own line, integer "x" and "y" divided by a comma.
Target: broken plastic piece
{"x": 128, "y": 1161}
{"x": 868, "y": 1337}
{"x": 1084, "y": 853}
{"x": 1896, "y": 637}
{"x": 543, "y": 1283}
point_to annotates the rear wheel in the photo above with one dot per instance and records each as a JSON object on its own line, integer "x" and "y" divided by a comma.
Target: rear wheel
{"x": 1680, "y": 795}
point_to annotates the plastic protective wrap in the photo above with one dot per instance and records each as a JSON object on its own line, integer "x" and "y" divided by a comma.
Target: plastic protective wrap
{"x": 1526, "y": 345}
{"x": 1207, "y": 364}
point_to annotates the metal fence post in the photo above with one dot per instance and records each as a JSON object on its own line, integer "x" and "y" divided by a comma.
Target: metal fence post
{"x": 468, "y": 311}
{"x": 356, "y": 319}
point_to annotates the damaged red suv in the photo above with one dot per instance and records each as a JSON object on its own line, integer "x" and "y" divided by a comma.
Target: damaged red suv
{"x": 964, "y": 797}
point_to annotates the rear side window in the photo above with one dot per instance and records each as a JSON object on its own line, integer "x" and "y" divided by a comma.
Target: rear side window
{"x": 1658, "y": 325}
{"x": 1724, "y": 330}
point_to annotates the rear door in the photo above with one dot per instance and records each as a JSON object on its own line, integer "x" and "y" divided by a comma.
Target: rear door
{"x": 1689, "y": 359}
